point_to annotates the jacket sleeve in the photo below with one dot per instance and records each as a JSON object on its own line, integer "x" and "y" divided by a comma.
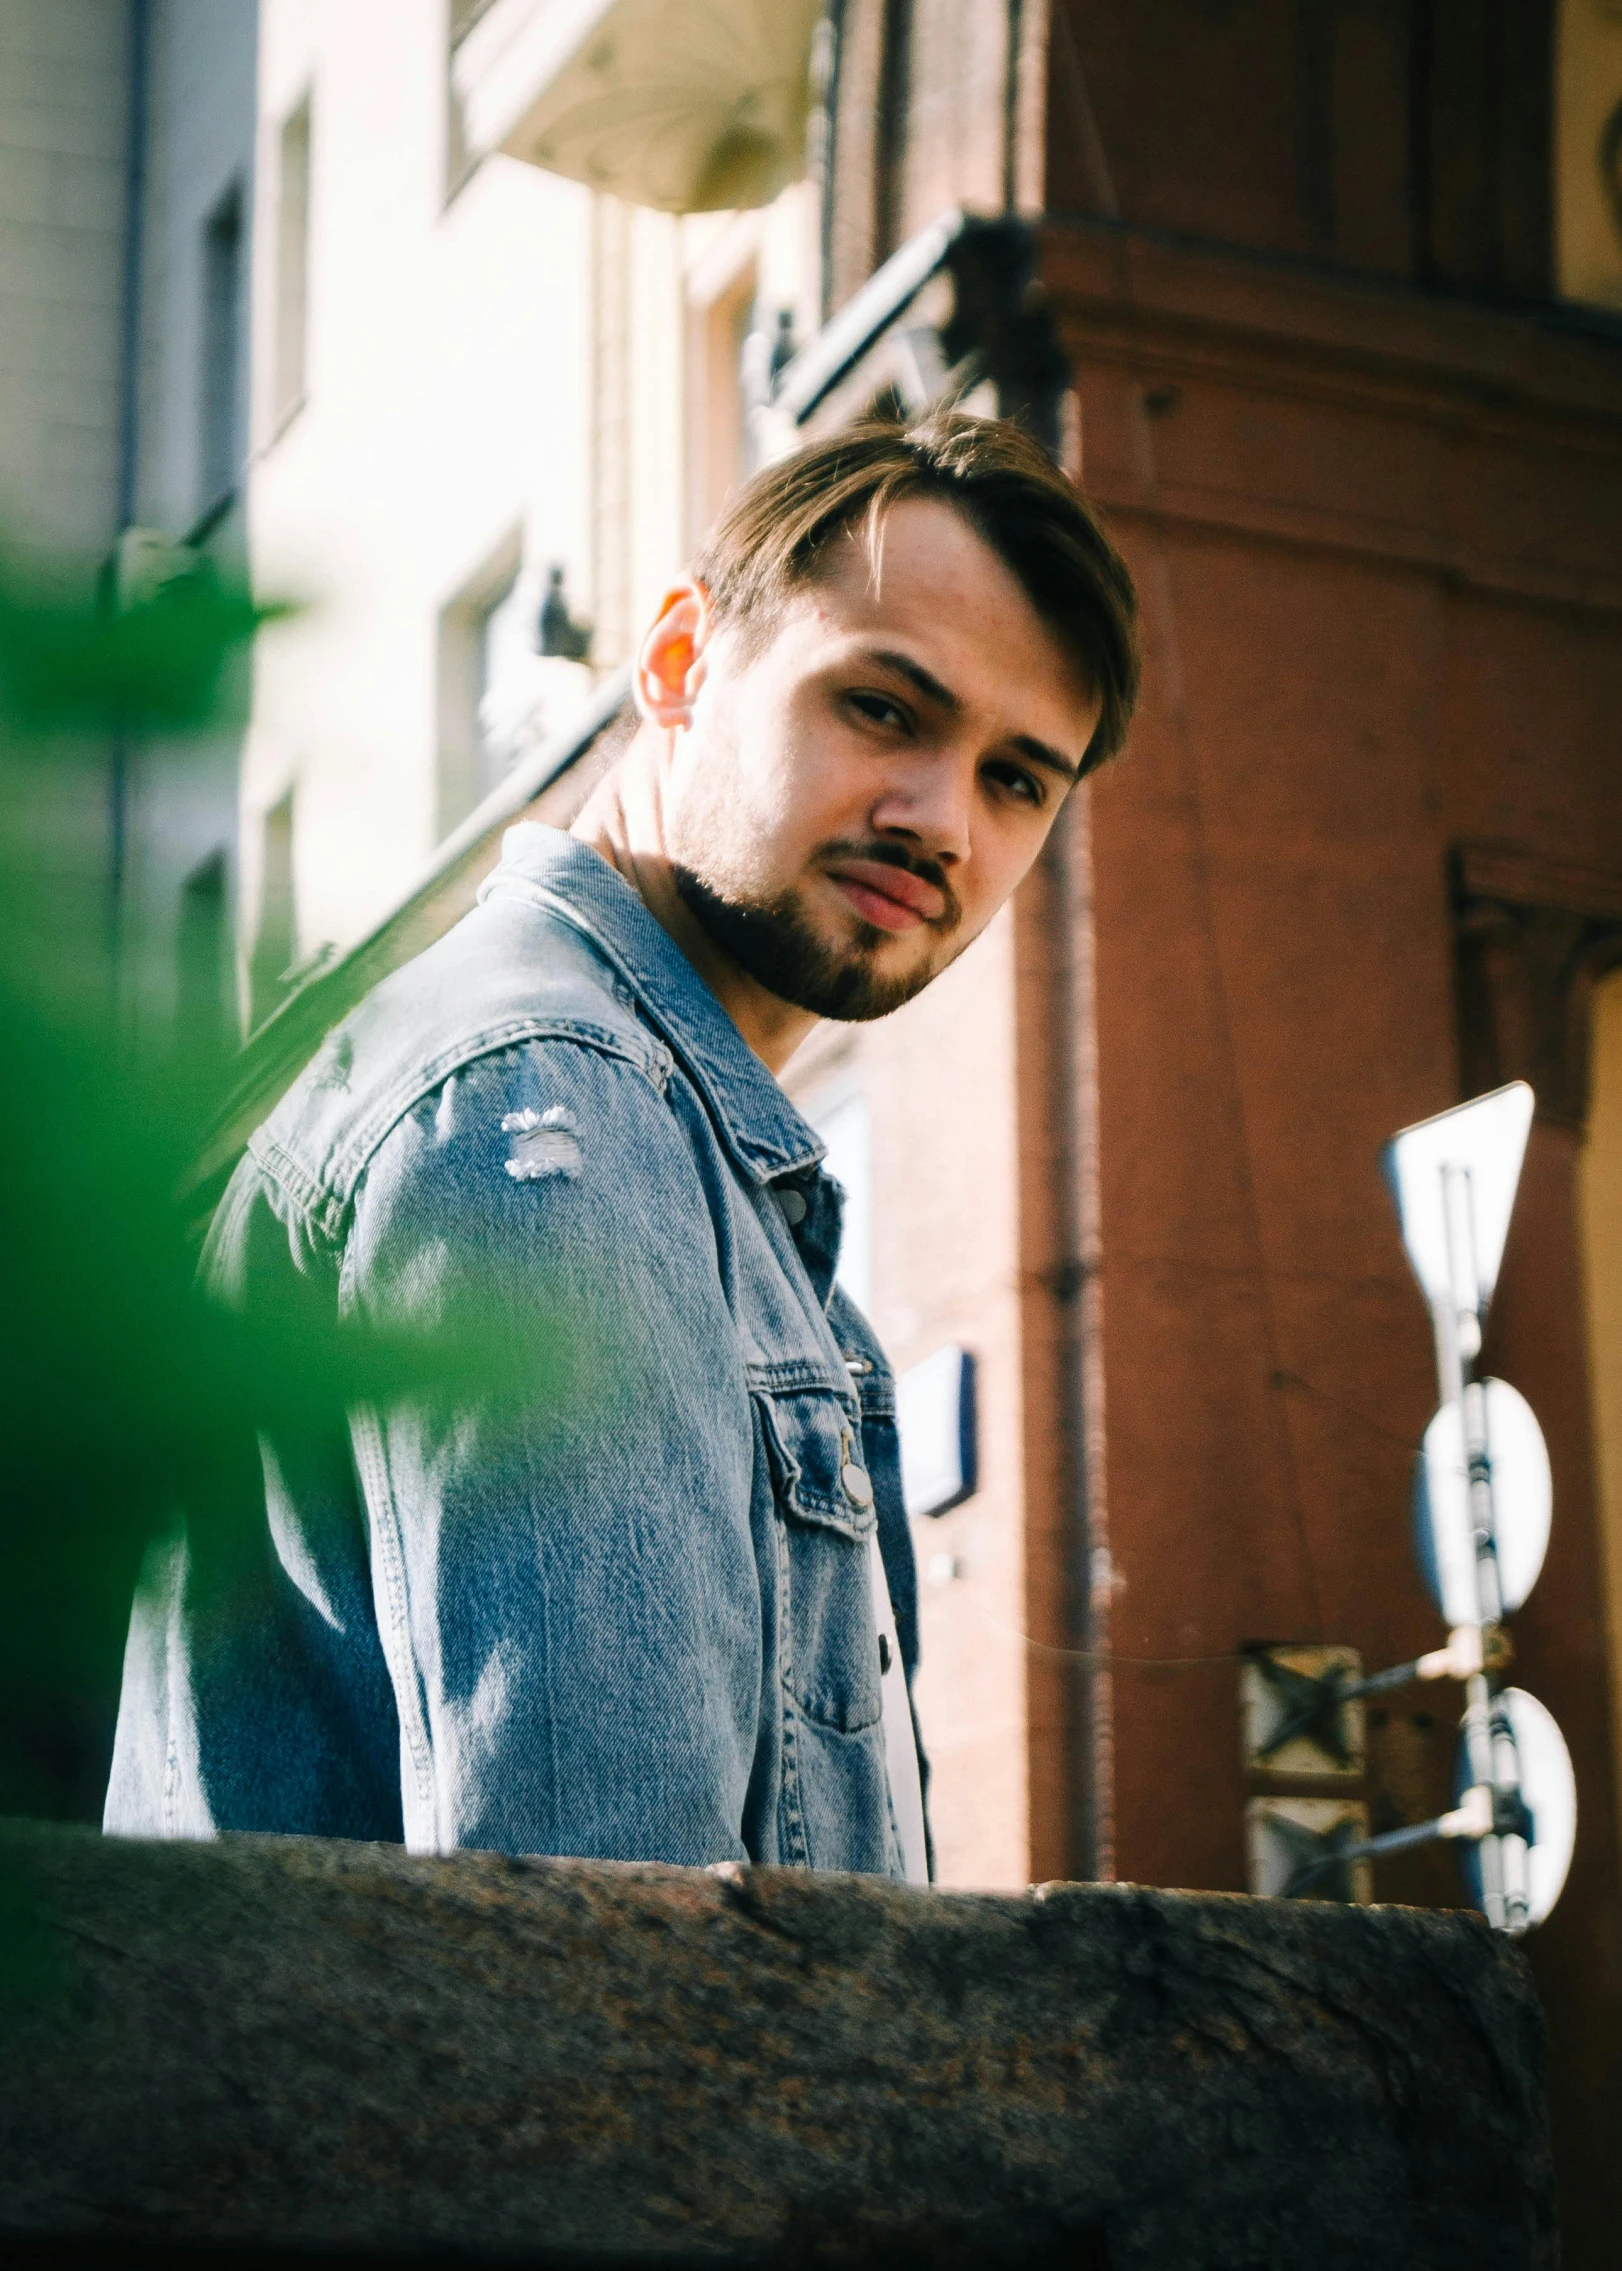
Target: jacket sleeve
{"x": 563, "y": 1568}
{"x": 255, "y": 1695}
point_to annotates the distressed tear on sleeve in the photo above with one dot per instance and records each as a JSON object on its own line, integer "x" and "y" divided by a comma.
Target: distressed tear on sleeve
{"x": 543, "y": 1144}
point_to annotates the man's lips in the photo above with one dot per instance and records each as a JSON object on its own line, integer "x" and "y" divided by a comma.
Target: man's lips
{"x": 892, "y": 897}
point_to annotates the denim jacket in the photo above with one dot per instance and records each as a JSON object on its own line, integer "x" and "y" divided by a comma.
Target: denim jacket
{"x": 636, "y": 1621}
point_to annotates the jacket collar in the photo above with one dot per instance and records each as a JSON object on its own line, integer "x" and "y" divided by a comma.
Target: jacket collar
{"x": 762, "y": 1129}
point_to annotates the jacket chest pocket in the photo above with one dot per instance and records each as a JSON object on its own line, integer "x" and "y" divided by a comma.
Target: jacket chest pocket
{"x": 826, "y": 1520}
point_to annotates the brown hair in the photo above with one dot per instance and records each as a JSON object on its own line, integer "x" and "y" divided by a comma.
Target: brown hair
{"x": 771, "y": 538}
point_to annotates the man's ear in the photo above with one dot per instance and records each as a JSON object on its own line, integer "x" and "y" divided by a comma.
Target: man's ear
{"x": 670, "y": 667}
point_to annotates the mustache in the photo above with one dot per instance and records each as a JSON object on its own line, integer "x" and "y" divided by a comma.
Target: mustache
{"x": 886, "y": 854}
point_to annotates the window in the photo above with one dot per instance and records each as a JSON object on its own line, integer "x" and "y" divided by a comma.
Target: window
{"x": 220, "y": 388}
{"x": 486, "y": 636}
{"x": 507, "y": 641}
{"x": 292, "y": 263}
{"x": 202, "y": 991}
{"x": 275, "y": 938}
{"x": 513, "y": 671}
{"x": 460, "y": 161}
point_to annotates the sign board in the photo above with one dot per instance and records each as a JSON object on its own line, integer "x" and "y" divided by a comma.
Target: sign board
{"x": 1285, "y": 1835}
{"x": 935, "y": 1419}
{"x": 1456, "y": 1174}
{"x": 1292, "y": 1726}
{"x": 1548, "y": 1790}
{"x": 1522, "y": 1500}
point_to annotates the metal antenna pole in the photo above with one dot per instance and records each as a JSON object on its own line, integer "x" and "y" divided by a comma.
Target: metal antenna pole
{"x": 1482, "y": 1500}
{"x": 1489, "y": 1745}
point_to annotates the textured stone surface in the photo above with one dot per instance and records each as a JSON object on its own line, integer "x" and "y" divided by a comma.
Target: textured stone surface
{"x": 284, "y": 2043}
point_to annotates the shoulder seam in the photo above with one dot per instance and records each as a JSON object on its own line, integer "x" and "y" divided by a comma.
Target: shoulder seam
{"x": 318, "y": 1205}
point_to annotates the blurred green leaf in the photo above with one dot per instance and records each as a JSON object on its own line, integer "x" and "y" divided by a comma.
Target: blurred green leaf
{"x": 75, "y": 660}
{"x": 127, "y": 1398}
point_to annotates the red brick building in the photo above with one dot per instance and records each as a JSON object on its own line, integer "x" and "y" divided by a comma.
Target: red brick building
{"x": 1363, "y": 858}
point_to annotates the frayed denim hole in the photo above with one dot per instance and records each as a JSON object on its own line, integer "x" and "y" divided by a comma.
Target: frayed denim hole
{"x": 544, "y": 1144}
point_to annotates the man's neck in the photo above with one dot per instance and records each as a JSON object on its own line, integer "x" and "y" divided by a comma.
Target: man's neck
{"x": 623, "y": 821}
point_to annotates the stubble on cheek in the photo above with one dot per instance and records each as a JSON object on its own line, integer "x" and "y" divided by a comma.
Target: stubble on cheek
{"x": 727, "y": 826}
{"x": 749, "y": 869}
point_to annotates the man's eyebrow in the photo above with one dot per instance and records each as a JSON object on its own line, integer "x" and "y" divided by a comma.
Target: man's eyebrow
{"x": 935, "y": 690}
{"x": 1039, "y": 753}
{"x": 932, "y": 688}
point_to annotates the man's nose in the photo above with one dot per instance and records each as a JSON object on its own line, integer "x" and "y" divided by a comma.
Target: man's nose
{"x": 930, "y": 803}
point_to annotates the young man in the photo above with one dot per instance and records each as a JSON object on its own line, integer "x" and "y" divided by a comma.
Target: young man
{"x": 649, "y": 1615}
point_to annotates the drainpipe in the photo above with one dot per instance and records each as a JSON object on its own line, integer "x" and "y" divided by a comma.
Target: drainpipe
{"x": 827, "y": 58}
{"x": 1033, "y": 383}
{"x": 1073, "y": 1102}
{"x": 1015, "y": 34}
{"x": 129, "y": 377}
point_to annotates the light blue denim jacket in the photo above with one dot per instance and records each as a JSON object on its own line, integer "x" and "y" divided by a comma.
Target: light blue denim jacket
{"x": 634, "y": 1625}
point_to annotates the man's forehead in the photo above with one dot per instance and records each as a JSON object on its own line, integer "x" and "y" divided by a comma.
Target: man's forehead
{"x": 918, "y": 549}
{"x": 929, "y": 588}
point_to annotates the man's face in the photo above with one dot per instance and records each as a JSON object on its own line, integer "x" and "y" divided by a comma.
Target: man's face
{"x": 862, "y": 786}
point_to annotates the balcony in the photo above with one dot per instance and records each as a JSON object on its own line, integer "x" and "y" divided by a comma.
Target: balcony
{"x": 687, "y": 105}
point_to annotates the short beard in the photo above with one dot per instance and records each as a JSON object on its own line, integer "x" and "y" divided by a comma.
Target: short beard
{"x": 774, "y": 942}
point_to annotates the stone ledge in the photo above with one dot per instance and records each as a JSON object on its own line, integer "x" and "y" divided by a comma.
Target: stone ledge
{"x": 310, "y": 2049}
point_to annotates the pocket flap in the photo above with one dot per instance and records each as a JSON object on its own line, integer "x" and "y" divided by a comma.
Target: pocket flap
{"x": 816, "y": 1447}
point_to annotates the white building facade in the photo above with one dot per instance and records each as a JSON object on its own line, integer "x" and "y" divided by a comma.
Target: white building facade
{"x": 481, "y": 390}
{"x": 126, "y": 181}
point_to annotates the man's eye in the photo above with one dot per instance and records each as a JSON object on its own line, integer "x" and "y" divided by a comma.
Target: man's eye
{"x": 879, "y": 709}
{"x": 1022, "y": 786}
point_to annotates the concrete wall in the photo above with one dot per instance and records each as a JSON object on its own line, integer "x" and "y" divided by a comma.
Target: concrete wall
{"x": 317, "y": 2052}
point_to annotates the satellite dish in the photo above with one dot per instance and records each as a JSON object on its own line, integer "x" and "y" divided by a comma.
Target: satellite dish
{"x": 1522, "y": 1500}
{"x": 1549, "y": 1794}
{"x": 1483, "y": 1143}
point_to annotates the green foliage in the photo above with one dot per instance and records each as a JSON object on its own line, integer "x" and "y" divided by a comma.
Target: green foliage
{"x": 74, "y": 661}
{"x": 126, "y": 1397}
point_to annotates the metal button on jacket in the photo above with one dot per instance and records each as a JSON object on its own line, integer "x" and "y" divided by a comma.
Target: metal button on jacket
{"x": 858, "y": 1488}
{"x": 792, "y": 1203}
